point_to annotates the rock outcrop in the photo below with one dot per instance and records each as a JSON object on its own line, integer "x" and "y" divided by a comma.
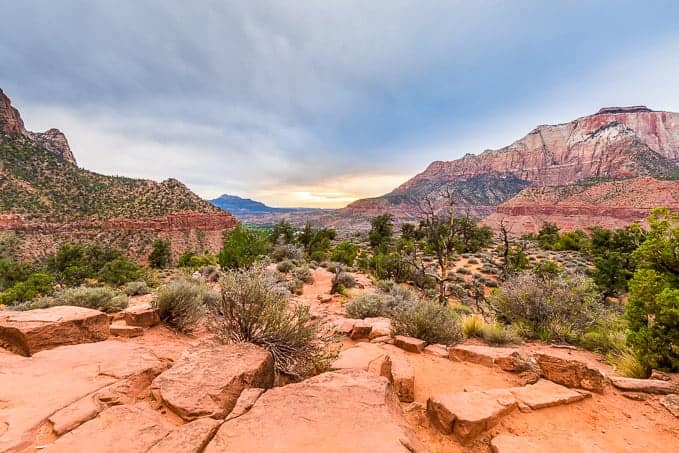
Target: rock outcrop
{"x": 53, "y": 140}
{"x": 49, "y": 200}
{"x": 615, "y": 143}
{"x": 338, "y": 411}
{"x": 27, "y": 332}
{"x": 209, "y": 378}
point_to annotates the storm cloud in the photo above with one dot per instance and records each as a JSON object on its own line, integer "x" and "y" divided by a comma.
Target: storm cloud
{"x": 319, "y": 102}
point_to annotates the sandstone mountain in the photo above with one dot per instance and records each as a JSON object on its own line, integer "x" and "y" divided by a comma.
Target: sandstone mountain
{"x": 614, "y": 144}
{"x": 45, "y": 198}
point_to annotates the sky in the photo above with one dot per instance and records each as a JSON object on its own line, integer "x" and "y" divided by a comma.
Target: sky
{"x": 318, "y": 103}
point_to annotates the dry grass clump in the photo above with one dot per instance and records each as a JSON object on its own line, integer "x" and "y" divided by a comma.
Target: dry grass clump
{"x": 182, "y": 303}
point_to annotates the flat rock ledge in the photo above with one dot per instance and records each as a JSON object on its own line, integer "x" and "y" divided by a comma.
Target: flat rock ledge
{"x": 655, "y": 386}
{"x": 571, "y": 373}
{"x": 468, "y": 414}
{"x": 507, "y": 359}
{"x": 340, "y": 411}
{"x": 27, "y": 332}
{"x": 208, "y": 379}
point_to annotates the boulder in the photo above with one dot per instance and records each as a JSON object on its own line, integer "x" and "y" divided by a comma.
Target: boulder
{"x": 27, "y": 332}
{"x": 325, "y": 298}
{"x": 341, "y": 411}
{"x": 191, "y": 437}
{"x": 122, "y": 330}
{"x": 129, "y": 429}
{"x": 380, "y": 327}
{"x": 547, "y": 394}
{"x": 468, "y": 414}
{"x": 507, "y": 359}
{"x": 645, "y": 385}
{"x": 361, "y": 330}
{"x": 403, "y": 377}
{"x": 409, "y": 344}
{"x": 671, "y": 403}
{"x": 246, "y": 400}
{"x": 382, "y": 340}
{"x": 571, "y": 373}
{"x": 208, "y": 378}
{"x": 142, "y": 316}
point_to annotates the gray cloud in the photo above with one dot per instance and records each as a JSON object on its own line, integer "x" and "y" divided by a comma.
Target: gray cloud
{"x": 259, "y": 96}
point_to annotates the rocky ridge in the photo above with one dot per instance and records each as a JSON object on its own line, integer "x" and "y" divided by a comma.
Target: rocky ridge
{"x": 46, "y": 199}
{"x": 616, "y": 143}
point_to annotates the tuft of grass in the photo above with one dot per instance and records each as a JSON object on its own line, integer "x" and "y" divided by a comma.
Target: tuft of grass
{"x": 472, "y": 326}
{"x": 627, "y": 364}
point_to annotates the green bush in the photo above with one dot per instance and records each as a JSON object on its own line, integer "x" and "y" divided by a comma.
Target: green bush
{"x": 13, "y": 272}
{"x": 472, "y": 326}
{"x": 242, "y": 247}
{"x": 160, "y": 254}
{"x": 182, "y": 303}
{"x": 345, "y": 252}
{"x": 429, "y": 321}
{"x": 137, "y": 288}
{"x": 73, "y": 263}
{"x": 368, "y": 306}
{"x": 255, "y": 309}
{"x": 561, "y": 308}
{"x": 38, "y": 284}
{"x": 103, "y": 299}
{"x": 119, "y": 271}
{"x": 653, "y": 308}
{"x": 497, "y": 334}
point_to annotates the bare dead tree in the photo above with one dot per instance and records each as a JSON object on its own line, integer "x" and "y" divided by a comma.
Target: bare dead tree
{"x": 438, "y": 218}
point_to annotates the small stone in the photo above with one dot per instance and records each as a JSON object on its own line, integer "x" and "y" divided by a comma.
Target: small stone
{"x": 325, "y": 298}
{"x": 361, "y": 330}
{"x": 659, "y": 375}
{"x": 409, "y": 344}
{"x": 142, "y": 316}
{"x": 635, "y": 396}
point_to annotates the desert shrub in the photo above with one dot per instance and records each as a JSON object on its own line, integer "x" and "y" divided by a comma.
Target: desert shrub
{"x": 304, "y": 274}
{"x": 136, "y": 288}
{"x": 283, "y": 233}
{"x": 368, "y": 306}
{"x": 160, "y": 254}
{"x": 285, "y": 266}
{"x": 490, "y": 283}
{"x": 605, "y": 338}
{"x": 473, "y": 261}
{"x": 345, "y": 252}
{"x": 334, "y": 267}
{"x": 342, "y": 281}
{"x": 35, "y": 304}
{"x": 120, "y": 270}
{"x": 560, "y": 308}
{"x": 254, "y": 308}
{"x": 38, "y": 284}
{"x": 101, "y": 298}
{"x": 463, "y": 271}
{"x": 287, "y": 252}
{"x": 296, "y": 286}
{"x": 427, "y": 320}
{"x": 182, "y": 303}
